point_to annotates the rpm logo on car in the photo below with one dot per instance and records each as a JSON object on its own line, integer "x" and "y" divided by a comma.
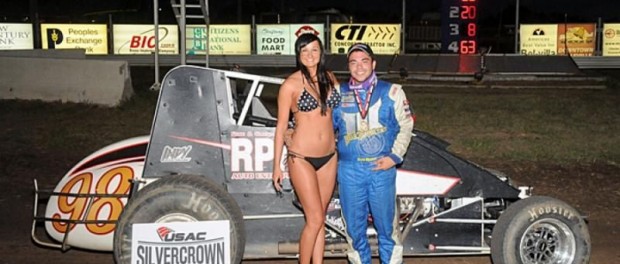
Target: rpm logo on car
{"x": 252, "y": 155}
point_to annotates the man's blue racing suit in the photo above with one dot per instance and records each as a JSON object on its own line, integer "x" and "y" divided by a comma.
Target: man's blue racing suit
{"x": 385, "y": 130}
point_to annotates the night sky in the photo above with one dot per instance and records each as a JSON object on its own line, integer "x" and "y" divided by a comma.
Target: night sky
{"x": 496, "y": 18}
{"x": 532, "y": 11}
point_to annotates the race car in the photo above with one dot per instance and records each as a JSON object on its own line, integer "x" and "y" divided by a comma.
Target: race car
{"x": 209, "y": 157}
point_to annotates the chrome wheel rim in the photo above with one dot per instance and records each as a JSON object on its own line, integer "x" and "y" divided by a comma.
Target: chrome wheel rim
{"x": 547, "y": 241}
{"x": 176, "y": 217}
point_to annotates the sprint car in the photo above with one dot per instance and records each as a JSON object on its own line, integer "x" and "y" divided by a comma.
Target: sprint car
{"x": 209, "y": 156}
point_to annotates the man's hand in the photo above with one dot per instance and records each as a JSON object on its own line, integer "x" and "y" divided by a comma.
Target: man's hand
{"x": 384, "y": 163}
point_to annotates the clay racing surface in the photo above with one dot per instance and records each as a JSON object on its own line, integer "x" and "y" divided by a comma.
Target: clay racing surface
{"x": 35, "y": 145}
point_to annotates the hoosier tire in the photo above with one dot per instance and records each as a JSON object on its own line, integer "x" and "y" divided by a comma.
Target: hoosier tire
{"x": 540, "y": 230}
{"x": 167, "y": 199}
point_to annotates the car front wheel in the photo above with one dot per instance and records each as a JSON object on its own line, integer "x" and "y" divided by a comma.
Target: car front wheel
{"x": 166, "y": 200}
{"x": 541, "y": 230}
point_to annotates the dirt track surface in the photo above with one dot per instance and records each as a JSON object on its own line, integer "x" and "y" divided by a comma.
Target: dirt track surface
{"x": 593, "y": 189}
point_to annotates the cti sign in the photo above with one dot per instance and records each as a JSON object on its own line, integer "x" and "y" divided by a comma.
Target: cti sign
{"x": 383, "y": 38}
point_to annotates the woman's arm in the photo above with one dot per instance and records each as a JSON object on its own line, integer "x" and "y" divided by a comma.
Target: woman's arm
{"x": 285, "y": 99}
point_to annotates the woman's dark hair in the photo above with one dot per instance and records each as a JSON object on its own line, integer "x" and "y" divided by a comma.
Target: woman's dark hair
{"x": 325, "y": 83}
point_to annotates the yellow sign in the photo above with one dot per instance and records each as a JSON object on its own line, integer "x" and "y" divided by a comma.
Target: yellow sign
{"x": 383, "y": 38}
{"x": 578, "y": 38}
{"x": 91, "y": 37}
{"x": 223, "y": 39}
{"x": 611, "y": 40}
{"x": 539, "y": 39}
{"x": 140, "y": 39}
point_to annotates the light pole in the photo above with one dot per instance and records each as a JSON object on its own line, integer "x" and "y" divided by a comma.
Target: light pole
{"x": 205, "y": 4}
{"x": 517, "y": 28}
{"x": 156, "y": 85}
{"x": 402, "y": 41}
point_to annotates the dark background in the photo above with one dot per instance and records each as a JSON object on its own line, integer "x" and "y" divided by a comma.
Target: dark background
{"x": 496, "y": 17}
{"x": 369, "y": 11}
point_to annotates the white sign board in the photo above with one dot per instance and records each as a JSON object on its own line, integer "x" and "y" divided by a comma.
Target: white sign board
{"x": 181, "y": 242}
{"x": 16, "y": 36}
{"x": 279, "y": 39}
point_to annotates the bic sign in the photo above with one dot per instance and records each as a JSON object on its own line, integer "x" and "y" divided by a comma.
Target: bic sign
{"x": 142, "y": 42}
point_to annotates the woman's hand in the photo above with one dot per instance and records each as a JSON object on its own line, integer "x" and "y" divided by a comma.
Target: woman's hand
{"x": 277, "y": 179}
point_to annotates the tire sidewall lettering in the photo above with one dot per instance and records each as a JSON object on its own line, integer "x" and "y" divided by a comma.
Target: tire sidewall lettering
{"x": 555, "y": 211}
{"x": 201, "y": 205}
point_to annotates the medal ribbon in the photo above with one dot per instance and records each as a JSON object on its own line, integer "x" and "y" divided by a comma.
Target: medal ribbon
{"x": 364, "y": 109}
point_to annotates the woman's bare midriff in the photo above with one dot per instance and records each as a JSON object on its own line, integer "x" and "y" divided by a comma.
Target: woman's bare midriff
{"x": 314, "y": 134}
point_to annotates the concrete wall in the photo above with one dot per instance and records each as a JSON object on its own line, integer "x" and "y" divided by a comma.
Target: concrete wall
{"x": 451, "y": 63}
{"x": 68, "y": 80}
{"x": 48, "y": 53}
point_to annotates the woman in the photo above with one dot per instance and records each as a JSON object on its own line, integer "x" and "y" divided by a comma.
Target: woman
{"x": 310, "y": 94}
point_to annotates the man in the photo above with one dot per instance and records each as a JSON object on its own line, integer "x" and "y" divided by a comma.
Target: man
{"x": 374, "y": 127}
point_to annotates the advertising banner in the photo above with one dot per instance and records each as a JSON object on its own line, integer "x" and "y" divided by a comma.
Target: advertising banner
{"x": 16, "y": 36}
{"x": 91, "y": 37}
{"x": 383, "y": 38}
{"x": 181, "y": 242}
{"x": 539, "y": 39}
{"x": 280, "y": 38}
{"x": 223, "y": 39}
{"x": 273, "y": 39}
{"x": 140, "y": 39}
{"x": 578, "y": 38}
{"x": 611, "y": 40}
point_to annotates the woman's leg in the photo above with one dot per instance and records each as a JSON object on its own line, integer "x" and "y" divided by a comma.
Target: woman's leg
{"x": 304, "y": 180}
{"x": 327, "y": 180}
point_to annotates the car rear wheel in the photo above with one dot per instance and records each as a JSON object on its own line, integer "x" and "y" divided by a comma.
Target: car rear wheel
{"x": 540, "y": 230}
{"x": 166, "y": 200}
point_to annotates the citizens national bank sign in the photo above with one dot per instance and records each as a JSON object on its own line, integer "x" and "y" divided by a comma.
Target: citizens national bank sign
{"x": 206, "y": 242}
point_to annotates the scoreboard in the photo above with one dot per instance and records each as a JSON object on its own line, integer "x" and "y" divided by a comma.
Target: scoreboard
{"x": 459, "y": 26}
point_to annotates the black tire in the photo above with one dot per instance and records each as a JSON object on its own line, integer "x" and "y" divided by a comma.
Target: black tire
{"x": 162, "y": 200}
{"x": 540, "y": 230}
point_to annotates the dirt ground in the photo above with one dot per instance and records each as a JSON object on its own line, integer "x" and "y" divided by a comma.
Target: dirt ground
{"x": 593, "y": 189}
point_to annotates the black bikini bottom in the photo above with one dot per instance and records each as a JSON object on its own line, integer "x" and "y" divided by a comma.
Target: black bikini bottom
{"x": 316, "y": 162}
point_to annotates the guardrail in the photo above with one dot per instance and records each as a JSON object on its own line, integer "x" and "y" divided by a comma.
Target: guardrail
{"x": 226, "y": 61}
{"x": 597, "y": 62}
{"x": 220, "y": 61}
